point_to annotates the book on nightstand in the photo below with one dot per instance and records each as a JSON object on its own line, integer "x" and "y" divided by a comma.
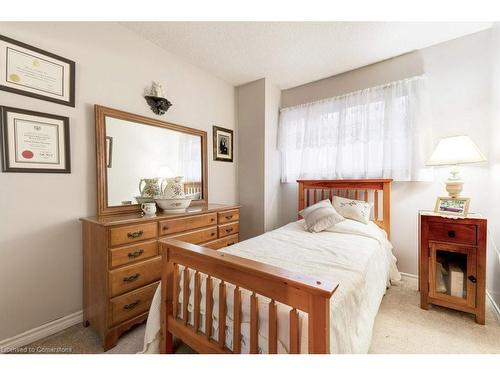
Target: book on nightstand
{"x": 456, "y": 279}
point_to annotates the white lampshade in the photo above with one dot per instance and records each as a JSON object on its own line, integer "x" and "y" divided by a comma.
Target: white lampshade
{"x": 455, "y": 150}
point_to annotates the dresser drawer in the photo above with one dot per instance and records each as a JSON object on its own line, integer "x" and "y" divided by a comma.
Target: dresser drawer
{"x": 197, "y": 236}
{"x": 228, "y": 216}
{"x": 228, "y": 229}
{"x": 127, "y": 278}
{"x": 131, "y": 304}
{"x": 133, "y": 233}
{"x": 222, "y": 242}
{"x": 121, "y": 256}
{"x": 187, "y": 223}
{"x": 448, "y": 232}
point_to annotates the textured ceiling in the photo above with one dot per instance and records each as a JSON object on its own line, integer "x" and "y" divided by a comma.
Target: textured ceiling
{"x": 294, "y": 53}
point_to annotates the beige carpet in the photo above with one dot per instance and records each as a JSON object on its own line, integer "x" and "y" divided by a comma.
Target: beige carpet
{"x": 401, "y": 327}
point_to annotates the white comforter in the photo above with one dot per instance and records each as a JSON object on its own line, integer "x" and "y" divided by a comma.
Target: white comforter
{"x": 357, "y": 256}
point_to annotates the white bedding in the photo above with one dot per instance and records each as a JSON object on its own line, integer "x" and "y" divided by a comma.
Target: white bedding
{"x": 355, "y": 255}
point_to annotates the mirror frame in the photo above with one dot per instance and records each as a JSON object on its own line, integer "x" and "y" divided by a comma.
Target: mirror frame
{"x": 101, "y": 113}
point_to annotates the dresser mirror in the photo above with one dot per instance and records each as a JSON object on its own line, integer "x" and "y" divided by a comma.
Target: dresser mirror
{"x": 137, "y": 155}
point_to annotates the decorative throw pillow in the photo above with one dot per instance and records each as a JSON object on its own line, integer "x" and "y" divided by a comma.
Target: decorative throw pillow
{"x": 320, "y": 216}
{"x": 353, "y": 209}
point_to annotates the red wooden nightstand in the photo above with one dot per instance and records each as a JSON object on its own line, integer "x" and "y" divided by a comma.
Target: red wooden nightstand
{"x": 452, "y": 262}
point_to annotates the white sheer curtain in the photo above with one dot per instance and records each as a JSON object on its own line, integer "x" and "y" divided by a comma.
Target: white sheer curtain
{"x": 189, "y": 157}
{"x": 380, "y": 132}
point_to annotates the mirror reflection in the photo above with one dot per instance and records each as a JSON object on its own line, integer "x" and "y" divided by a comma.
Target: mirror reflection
{"x": 142, "y": 160}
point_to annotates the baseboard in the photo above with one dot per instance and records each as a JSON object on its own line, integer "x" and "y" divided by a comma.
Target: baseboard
{"x": 496, "y": 308}
{"x": 41, "y": 332}
{"x": 408, "y": 275}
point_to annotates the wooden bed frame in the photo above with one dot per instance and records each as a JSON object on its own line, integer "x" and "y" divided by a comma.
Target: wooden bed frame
{"x": 300, "y": 292}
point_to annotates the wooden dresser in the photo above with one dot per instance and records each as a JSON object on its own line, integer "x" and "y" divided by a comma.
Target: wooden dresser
{"x": 122, "y": 262}
{"x": 452, "y": 267}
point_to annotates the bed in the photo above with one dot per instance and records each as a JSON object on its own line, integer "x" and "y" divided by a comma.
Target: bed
{"x": 286, "y": 291}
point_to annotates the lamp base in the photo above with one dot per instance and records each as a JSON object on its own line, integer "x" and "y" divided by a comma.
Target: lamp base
{"x": 454, "y": 187}
{"x": 454, "y": 184}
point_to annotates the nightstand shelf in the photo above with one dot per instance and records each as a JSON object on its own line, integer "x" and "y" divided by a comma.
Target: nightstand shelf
{"x": 452, "y": 262}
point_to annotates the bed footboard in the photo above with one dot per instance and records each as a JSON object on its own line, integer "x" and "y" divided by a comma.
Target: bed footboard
{"x": 299, "y": 292}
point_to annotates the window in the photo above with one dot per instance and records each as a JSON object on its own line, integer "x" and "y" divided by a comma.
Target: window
{"x": 380, "y": 132}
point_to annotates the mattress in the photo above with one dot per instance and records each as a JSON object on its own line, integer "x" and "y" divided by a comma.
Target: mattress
{"x": 356, "y": 256}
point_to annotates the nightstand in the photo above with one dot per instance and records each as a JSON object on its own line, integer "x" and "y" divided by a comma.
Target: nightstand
{"x": 452, "y": 262}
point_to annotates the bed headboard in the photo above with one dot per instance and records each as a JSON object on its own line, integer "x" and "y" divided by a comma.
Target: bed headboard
{"x": 312, "y": 191}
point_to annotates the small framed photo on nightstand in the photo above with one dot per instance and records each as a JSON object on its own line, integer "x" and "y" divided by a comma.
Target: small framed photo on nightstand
{"x": 452, "y": 206}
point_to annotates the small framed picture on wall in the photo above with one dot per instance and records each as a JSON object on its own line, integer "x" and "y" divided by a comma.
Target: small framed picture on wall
{"x": 223, "y": 144}
{"x": 31, "y": 71}
{"x": 34, "y": 142}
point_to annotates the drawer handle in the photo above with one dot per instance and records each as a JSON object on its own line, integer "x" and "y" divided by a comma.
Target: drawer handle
{"x": 135, "y": 254}
{"x": 212, "y": 234}
{"x": 229, "y": 230}
{"x": 165, "y": 228}
{"x": 212, "y": 219}
{"x": 135, "y": 234}
{"x": 451, "y": 234}
{"x": 229, "y": 217}
{"x": 472, "y": 279}
{"x": 131, "y": 305}
{"x": 131, "y": 278}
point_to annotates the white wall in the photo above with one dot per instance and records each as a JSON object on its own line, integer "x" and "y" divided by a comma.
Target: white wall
{"x": 40, "y": 236}
{"x": 493, "y": 269}
{"x": 458, "y": 73}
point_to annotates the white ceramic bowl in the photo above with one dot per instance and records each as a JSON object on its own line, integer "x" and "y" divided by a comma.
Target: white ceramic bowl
{"x": 173, "y": 205}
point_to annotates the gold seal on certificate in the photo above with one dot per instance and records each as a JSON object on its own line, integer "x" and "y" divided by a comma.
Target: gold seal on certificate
{"x": 30, "y": 71}
{"x": 34, "y": 141}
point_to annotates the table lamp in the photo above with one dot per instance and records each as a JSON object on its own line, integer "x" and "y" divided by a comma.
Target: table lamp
{"x": 453, "y": 151}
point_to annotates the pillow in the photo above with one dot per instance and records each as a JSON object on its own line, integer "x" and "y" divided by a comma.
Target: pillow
{"x": 353, "y": 209}
{"x": 320, "y": 216}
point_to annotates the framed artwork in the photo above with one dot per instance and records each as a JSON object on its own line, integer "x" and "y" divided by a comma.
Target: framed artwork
{"x": 34, "y": 142}
{"x": 452, "y": 206}
{"x": 223, "y": 144}
{"x": 30, "y": 71}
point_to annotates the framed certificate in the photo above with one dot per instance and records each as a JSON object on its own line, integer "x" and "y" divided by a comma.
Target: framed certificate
{"x": 34, "y": 142}
{"x": 30, "y": 71}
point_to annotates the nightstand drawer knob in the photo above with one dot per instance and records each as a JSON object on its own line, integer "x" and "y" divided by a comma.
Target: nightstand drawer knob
{"x": 472, "y": 279}
{"x": 451, "y": 234}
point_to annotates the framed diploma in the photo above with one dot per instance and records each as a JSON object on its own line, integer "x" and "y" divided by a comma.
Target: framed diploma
{"x": 34, "y": 142}
{"x": 30, "y": 71}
